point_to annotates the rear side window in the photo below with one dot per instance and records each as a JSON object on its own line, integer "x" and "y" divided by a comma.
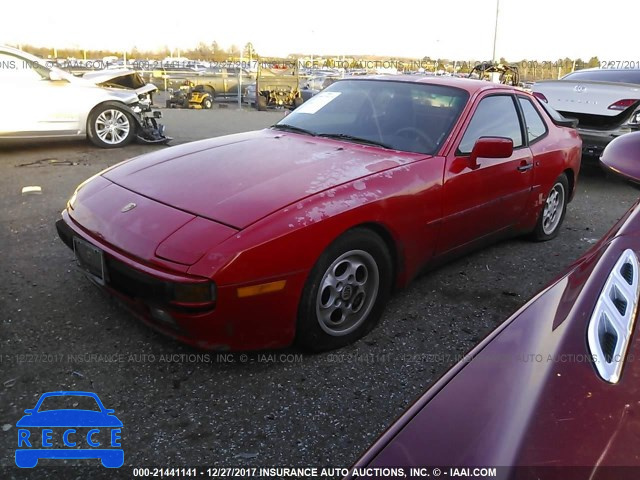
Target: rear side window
{"x": 496, "y": 116}
{"x": 618, "y": 76}
{"x": 536, "y": 127}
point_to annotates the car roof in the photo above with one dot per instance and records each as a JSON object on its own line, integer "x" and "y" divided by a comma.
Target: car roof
{"x": 7, "y": 48}
{"x": 471, "y": 85}
{"x": 598, "y": 69}
{"x": 20, "y": 53}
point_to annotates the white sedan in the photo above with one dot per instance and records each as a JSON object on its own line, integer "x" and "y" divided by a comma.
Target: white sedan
{"x": 110, "y": 108}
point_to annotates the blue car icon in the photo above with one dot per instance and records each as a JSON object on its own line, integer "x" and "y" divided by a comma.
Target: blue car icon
{"x": 85, "y": 430}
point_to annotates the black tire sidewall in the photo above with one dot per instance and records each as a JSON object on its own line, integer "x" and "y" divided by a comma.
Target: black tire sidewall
{"x": 309, "y": 335}
{"x": 91, "y": 130}
{"x": 539, "y": 233}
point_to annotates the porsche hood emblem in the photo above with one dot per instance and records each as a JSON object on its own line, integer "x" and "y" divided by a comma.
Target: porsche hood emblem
{"x": 128, "y": 206}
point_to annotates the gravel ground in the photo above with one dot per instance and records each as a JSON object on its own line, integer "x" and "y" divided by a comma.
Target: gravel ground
{"x": 184, "y": 408}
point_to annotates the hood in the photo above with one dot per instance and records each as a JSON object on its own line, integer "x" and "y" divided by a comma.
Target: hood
{"x": 239, "y": 179}
{"x": 120, "y": 78}
{"x": 149, "y": 229}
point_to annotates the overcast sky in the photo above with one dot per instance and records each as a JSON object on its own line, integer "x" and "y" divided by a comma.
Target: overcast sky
{"x": 461, "y": 29}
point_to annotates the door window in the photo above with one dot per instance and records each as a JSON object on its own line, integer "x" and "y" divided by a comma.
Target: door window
{"x": 496, "y": 116}
{"x": 536, "y": 127}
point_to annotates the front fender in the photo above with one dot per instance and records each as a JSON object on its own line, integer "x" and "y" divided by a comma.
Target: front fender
{"x": 402, "y": 202}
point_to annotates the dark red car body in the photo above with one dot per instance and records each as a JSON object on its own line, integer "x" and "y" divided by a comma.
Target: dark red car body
{"x": 262, "y": 206}
{"x": 528, "y": 396}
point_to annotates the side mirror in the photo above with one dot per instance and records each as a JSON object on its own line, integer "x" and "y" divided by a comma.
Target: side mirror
{"x": 490, "y": 147}
{"x": 622, "y": 156}
{"x": 55, "y": 76}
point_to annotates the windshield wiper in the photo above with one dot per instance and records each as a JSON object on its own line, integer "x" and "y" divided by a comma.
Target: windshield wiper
{"x": 292, "y": 128}
{"x": 351, "y": 138}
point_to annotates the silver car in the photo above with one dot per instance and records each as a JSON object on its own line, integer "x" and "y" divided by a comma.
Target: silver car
{"x": 111, "y": 108}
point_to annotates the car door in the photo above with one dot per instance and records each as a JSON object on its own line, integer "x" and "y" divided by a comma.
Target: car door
{"x": 491, "y": 196}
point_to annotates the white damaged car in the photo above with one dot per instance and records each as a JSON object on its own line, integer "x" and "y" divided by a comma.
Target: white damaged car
{"x": 111, "y": 107}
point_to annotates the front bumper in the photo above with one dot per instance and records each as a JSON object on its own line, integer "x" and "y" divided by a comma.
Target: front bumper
{"x": 252, "y": 323}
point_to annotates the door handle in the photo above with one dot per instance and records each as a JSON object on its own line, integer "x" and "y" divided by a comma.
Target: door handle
{"x": 525, "y": 167}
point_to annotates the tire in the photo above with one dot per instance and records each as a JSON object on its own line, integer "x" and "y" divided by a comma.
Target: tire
{"x": 297, "y": 102}
{"x": 356, "y": 272}
{"x": 207, "y": 103}
{"x": 168, "y": 104}
{"x": 262, "y": 103}
{"x": 111, "y": 126}
{"x": 553, "y": 211}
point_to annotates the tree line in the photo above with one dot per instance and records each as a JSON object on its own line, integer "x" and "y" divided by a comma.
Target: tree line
{"x": 529, "y": 70}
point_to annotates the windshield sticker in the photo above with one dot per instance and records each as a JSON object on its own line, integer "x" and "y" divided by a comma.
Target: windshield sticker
{"x": 317, "y": 102}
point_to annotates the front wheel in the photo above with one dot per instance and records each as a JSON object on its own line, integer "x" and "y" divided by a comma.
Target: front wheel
{"x": 346, "y": 292}
{"x": 111, "y": 126}
{"x": 553, "y": 211}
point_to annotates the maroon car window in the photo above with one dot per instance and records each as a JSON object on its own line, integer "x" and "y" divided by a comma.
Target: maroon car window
{"x": 408, "y": 116}
{"x": 536, "y": 127}
{"x": 496, "y": 116}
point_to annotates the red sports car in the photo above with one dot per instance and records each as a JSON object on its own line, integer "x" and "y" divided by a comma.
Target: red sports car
{"x": 302, "y": 230}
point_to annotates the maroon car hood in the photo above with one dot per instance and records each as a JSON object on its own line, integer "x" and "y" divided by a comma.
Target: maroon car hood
{"x": 529, "y": 393}
{"x": 238, "y": 179}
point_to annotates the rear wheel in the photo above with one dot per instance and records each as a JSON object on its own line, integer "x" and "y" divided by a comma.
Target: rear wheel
{"x": 111, "y": 126}
{"x": 346, "y": 292}
{"x": 207, "y": 103}
{"x": 553, "y": 211}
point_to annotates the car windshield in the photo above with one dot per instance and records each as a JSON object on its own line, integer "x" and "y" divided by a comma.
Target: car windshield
{"x": 409, "y": 116}
{"x": 69, "y": 402}
{"x": 618, "y": 76}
